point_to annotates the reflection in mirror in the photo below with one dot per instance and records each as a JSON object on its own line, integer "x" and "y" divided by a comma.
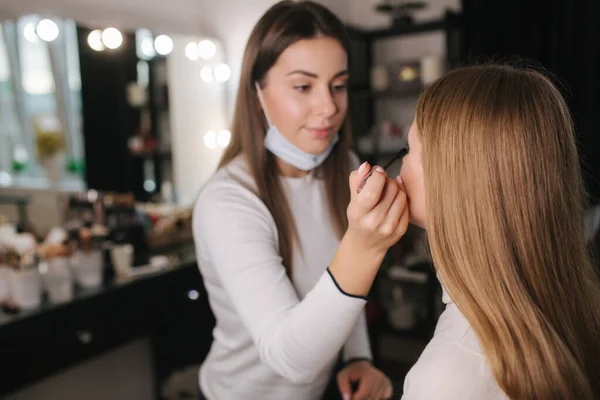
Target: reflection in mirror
{"x": 109, "y": 109}
{"x": 40, "y": 103}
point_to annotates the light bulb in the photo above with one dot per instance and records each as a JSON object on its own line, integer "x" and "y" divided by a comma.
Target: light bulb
{"x": 222, "y": 72}
{"x": 47, "y": 30}
{"x": 29, "y": 33}
{"x": 223, "y": 138}
{"x": 94, "y": 40}
{"x": 191, "y": 51}
{"x": 163, "y": 45}
{"x": 149, "y": 185}
{"x": 207, "y": 49}
{"x": 206, "y": 74}
{"x": 147, "y": 47}
{"x": 210, "y": 139}
{"x": 112, "y": 38}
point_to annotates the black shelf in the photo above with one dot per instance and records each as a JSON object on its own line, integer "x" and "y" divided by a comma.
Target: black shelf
{"x": 449, "y": 21}
{"x": 364, "y": 98}
{"x": 412, "y": 29}
{"x": 369, "y": 93}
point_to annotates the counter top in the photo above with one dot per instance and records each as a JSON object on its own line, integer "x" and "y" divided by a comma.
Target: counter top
{"x": 170, "y": 306}
{"x": 177, "y": 259}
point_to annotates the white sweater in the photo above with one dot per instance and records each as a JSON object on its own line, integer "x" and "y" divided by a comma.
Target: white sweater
{"x": 452, "y": 366}
{"x": 274, "y": 338}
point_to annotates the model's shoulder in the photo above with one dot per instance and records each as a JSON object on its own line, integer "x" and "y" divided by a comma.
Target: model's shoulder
{"x": 451, "y": 371}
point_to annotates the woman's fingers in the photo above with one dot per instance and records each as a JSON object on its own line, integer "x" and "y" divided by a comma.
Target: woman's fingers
{"x": 362, "y": 203}
{"x": 357, "y": 177}
{"x": 393, "y": 216}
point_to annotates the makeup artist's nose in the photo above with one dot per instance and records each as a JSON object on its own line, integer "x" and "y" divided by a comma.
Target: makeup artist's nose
{"x": 326, "y": 105}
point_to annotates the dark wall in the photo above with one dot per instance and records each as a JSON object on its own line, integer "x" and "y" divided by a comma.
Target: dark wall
{"x": 564, "y": 37}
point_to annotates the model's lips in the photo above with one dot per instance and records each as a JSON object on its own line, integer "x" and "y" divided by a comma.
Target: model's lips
{"x": 320, "y": 133}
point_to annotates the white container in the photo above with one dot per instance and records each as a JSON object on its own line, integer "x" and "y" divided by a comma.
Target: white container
{"x": 432, "y": 68}
{"x": 26, "y": 288}
{"x": 87, "y": 268}
{"x": 122, "y": 258}
{"x": 57, "y": 279}
{"x": 4, "y": 283}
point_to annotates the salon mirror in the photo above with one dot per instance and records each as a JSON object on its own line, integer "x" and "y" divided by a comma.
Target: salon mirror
{"x": 87, "y": 105}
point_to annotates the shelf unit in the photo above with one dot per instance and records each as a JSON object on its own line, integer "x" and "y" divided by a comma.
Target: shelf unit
{"x": 363, "y": 116}
{"x": 363, "y": 98}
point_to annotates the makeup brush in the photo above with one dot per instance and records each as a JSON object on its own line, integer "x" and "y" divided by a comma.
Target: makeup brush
{"x": 396, "y": 157}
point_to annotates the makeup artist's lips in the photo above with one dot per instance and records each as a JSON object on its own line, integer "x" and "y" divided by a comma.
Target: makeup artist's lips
{"x": 319, "y": 133}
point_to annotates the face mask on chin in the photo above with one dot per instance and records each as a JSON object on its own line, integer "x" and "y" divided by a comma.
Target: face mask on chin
{"x": 288, "y": 152}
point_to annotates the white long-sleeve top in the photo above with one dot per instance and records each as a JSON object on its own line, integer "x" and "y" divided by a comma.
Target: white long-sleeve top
{"x": 453, "y": 365}
{"x": 275, "y": 338}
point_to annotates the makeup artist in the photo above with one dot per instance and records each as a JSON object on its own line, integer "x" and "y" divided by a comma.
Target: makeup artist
{"x": 287, "y": 247}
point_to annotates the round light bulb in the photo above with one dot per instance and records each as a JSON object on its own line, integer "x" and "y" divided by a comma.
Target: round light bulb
{"x": 210, "y": 139}
{"x": 222, "y": 72}
{"x": 207, "y": 49}
{"x": 191, "y": 51}
{"x": 29, "y": 33}
{"x": 47, "y": 30}
{"x": 163, "y": 45}
{"x": 112, "y": 38}
{"x": 147, "y": 47}
{"x": 94, "y": 40}
{"x": 223, "y": 138}
{"x": 206, "y": 73}
{"x": 149, "y": 185}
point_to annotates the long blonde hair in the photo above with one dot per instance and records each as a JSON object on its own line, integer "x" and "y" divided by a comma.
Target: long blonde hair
{"x": 505, "y": 226}
{"x": 281, "y": 26}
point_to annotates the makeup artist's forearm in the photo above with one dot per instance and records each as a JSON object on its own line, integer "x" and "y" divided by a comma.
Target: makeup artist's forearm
{"x": 354, "y": 268}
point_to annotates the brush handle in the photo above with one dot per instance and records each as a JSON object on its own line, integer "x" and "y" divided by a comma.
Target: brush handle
{"x": 398, "y": 156}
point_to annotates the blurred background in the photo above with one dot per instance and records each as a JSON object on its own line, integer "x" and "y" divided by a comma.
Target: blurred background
{"x": 113, "y": 114}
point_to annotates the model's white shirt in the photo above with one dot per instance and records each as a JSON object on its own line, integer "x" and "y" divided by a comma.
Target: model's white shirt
{"x": 452, "y": 366}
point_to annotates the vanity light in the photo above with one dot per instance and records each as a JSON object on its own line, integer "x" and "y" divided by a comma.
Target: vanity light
{"x": 29, "y": 33}
{"x": 112, "y": 38}
{"x": 191, "y": 51}
{"x": 222, "y": 72}
{"x": 94, "y": 40}
{"x": 149, "y": 185}
{"x": 223, "y": 138}
{"x": 210, "y": 140}
{"x": 207, "y": 49}
{"x": 163, "y": 45}
{"x": 206, "y": 73}
{"x": 47, "y": 30}
{"x": 147, "y": 48}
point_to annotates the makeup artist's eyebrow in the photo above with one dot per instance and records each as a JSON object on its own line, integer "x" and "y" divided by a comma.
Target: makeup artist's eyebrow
{"x": 313, "y": 75}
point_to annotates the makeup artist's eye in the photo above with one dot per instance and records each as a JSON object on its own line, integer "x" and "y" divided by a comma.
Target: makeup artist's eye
{"x": 302, "y": 88}
{"x": 340, "y": 88}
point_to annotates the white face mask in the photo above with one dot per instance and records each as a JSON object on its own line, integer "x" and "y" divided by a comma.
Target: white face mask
{"x": 277, "y": 144}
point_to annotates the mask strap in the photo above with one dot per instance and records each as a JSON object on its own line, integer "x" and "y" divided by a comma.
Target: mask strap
{"x": 262, "y": 103}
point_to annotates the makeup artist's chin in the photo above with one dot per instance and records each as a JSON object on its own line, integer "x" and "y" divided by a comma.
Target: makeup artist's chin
{"x": 316, "y": 144}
